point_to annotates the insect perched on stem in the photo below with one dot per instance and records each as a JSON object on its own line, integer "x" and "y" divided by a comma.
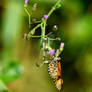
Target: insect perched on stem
{"x": 50, "y": 57}
{"x": 54, "y": 69}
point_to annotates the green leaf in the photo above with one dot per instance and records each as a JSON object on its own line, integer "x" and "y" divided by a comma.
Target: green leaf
{"x": 3, "y": 88}
{"x": 11, "y": 73}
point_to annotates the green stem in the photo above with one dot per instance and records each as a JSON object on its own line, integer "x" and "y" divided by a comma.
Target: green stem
{"x": 30, "y": 33}
{"x": 50, "y": 12}
{"x": 28, "y": 16}
{"x": 49, "y": 33}
{"x": 43, "y": 23}
{"x": 53, "y": 8}
{"x": 43, "y": 27}
{"x": 37, "y": 36}
{"x": 36, "y": 22}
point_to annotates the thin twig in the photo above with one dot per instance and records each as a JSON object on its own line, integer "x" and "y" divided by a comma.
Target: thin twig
{"x": 28, "y": 16}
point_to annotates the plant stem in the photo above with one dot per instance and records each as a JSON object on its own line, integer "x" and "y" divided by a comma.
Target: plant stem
{"x": 43, "y": 23}
{"x": 53, "y": 8}
{"x": 43, "y": 27}
{"x": 30, "y": 33}
{"x": 36, "y": 36}
{"x": 36, "y": 22}
{"x": 28, "y": 16}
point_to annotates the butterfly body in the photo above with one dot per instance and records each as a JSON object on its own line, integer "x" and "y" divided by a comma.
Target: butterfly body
{"x": 54, "y": 69}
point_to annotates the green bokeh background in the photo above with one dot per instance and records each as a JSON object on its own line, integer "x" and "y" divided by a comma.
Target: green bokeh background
{"x": 74, "y": 20}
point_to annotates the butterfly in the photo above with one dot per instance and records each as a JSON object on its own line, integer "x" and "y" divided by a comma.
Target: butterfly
{"x": 54, "y": 69}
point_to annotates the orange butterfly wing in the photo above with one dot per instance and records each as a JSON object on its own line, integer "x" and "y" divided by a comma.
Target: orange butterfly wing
{"x": 54, "y": 69}
{"x": 59, "y": 80}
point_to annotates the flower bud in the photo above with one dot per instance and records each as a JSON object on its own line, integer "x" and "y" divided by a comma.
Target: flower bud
{"x": 45, "y": 17}
{"x": 61, "y": 46}
{"x": 46, "y": 46}
{"x": 32, "y": 32}
{"x": 26, "y": 2}
{"x": 34, "y": 6}
{"x": 57, "y": 53}
{"x": 58, "y": 6}
{"x": 51, "y": 52}
{"x": 55, "y": 27}
{"x": 58, "y": 38}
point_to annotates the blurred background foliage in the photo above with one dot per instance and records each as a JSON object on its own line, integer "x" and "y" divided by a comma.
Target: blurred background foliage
{"x": 74, "y": 20}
